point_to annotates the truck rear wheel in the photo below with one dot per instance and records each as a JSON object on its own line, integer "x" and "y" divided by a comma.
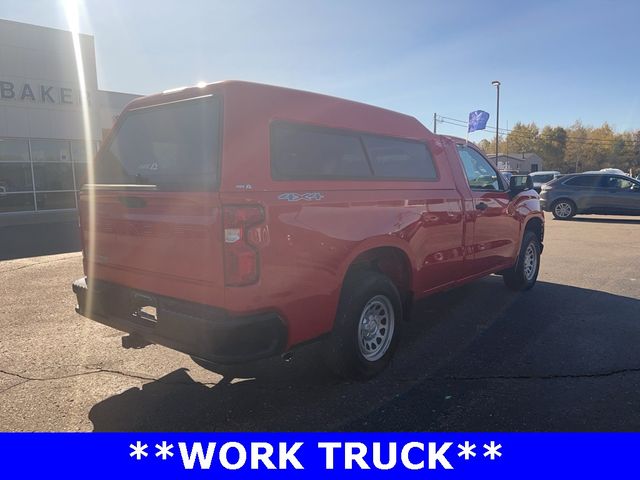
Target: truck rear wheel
{"x": 367, "y": 324}
{"x": 524, "y": 274}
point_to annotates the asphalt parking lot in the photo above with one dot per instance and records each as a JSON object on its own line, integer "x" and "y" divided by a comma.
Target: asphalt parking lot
{"x": 563, "y": 356}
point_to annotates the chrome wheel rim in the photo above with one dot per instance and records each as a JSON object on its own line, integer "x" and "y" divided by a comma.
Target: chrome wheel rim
{"x": 530, "y": 262}
{"x": 375, "y": 329}
{"x": 563, "y": 210}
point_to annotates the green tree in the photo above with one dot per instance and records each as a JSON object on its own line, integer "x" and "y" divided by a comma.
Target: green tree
{"x": 599, "y": 151}
{"x": 577, "y": 137}
{"x": 577, "y": 148}
{"x": 522, "y": 139}
{"x": 626, "y": 152}
{"x": 551, "y": 146}
{"x": 487, "y": 146}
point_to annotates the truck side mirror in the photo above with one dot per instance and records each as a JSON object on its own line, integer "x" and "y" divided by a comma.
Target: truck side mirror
{"x": 520, "y": 183}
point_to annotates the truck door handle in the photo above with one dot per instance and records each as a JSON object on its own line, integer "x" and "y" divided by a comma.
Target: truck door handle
{"x": 481, "y": 206}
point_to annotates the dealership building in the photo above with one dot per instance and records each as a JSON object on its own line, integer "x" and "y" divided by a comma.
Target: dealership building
{"x": 42, "y": 140}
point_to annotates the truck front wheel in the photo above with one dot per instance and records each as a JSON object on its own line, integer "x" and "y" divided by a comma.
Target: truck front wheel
{"x": 367, "y": 324}
{"x": 524, "y": 273}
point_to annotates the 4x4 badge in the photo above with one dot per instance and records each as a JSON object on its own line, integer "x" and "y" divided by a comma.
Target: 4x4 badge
{"x": 295, "y": 197}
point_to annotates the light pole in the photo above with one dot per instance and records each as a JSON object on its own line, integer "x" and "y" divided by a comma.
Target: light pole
{"x": 496, "y": 84}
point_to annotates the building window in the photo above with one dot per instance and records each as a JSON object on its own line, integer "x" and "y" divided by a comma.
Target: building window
{"x": 53, "y": 172}
{"x": 55, "y": 200}
{"x": 53, "y": 176}
{"x": 15, "y": 176}
{"x": 50, "y": 151}
{"x": 41, "y": 174}
{"x": 14, "y": 150}
{"x": 16, "y": 202}
{"x": 78, "y": 151}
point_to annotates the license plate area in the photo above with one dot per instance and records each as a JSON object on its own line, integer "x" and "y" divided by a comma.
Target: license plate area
{"x": 145, "y": 309}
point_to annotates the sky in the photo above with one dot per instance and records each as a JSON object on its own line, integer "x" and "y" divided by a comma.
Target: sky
{"x": 557, "y": 61}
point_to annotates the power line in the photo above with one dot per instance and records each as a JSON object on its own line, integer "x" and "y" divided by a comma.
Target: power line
{"x": 462, "y": 123}
{"x": 583, "y": 140}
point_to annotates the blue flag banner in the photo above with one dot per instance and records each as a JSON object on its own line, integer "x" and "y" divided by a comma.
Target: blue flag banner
{"x": 477, "y": 120}
{"x": 311, "y": 455}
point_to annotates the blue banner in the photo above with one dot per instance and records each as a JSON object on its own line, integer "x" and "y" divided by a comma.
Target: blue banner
{"x": 309, "y": 455}
{"x": 478, "y": 120}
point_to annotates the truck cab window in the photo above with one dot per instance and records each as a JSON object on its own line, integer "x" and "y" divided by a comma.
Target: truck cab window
{"x": 480, "y": 174}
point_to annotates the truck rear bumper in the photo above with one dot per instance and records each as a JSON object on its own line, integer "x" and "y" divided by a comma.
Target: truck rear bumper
{"x": 203, "y": 331}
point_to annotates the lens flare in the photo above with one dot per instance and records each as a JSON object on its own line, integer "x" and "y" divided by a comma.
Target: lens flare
{"x": 72, "y": 13}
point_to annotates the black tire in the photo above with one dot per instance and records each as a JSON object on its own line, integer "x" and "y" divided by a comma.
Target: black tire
{"x": 364, "y": 291}
{"x": 524, "y": 274}
{"x": 563, "y": 209}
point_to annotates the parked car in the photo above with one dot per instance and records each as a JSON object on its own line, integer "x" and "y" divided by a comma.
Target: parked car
{"x": 613, "y": 170}
{"x": 542, "y": 177}
{"x": 237, "y": 221}
{"x": 616, "y": 171}
{"x": 585, "y": 193}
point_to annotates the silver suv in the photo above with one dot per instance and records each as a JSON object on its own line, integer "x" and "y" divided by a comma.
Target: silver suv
{"x": 584, "y": 193}
{"x": 542, "y": 177}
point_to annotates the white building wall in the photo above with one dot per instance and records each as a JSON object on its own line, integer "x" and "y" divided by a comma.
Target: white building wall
{"x": 40, "y": 99}
{"x": 39, "y": 89}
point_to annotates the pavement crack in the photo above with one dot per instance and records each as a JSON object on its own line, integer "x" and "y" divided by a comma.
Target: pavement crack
{"x": 12, "y": 386}
{"x": 27, "y": 379}
{"x": 78, "y": 374}
{"x": 552, "y": 376}
{"x": 13, "y": 374}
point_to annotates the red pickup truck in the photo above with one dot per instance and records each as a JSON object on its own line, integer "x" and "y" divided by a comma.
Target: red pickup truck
{"x": 236, "y": 221}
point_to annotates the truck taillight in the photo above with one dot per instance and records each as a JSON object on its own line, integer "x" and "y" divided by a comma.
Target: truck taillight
{"x": 240, "y": 256}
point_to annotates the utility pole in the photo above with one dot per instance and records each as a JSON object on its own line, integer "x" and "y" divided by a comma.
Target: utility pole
{"x": 507, "y": 141}
{"x": 496, "y": 84}
{"x": 435, "y": 126}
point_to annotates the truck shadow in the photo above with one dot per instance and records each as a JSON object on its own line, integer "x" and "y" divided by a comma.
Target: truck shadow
{"x": 456, "y": 342}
